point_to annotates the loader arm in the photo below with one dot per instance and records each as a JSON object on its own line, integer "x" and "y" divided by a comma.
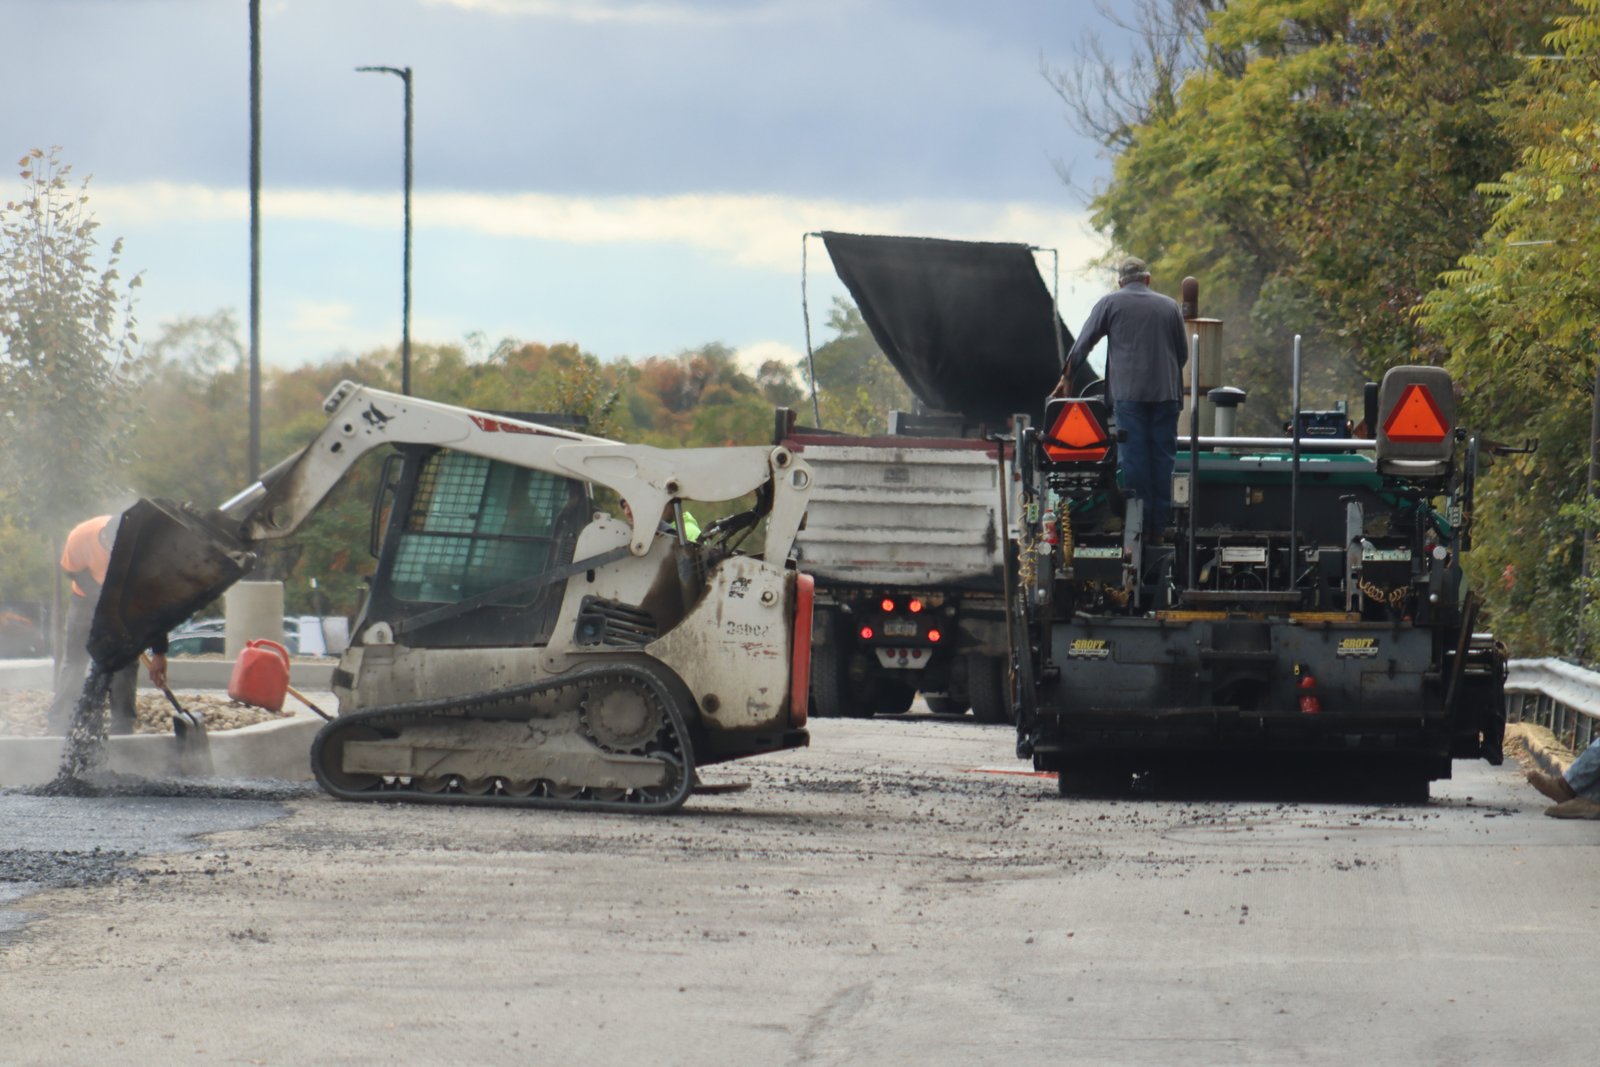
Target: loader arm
{"x": 361, "y": 419}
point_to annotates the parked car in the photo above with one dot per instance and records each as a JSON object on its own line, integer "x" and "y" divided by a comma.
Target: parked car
{"x": 314, "y": 635}
{"x": 195, "y": 643}
{"x": 303, "y": 635}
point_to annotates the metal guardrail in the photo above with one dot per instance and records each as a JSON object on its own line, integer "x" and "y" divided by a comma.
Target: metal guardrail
{"x": 1557, "y": 695}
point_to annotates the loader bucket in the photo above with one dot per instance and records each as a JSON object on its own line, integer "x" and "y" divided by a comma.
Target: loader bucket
{"x": 168, "y": 561}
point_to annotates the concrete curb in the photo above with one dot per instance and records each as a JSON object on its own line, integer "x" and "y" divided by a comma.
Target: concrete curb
{"x": 182, "y": 673}
{"x": 27, "y": 674}
{"x": 277, "y": 749}
{"x": 1541, "y": 746}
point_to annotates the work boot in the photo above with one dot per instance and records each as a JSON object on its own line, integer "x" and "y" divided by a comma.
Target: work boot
{"x": 1576, "y": 808}
{"x": 1551, "y": 785}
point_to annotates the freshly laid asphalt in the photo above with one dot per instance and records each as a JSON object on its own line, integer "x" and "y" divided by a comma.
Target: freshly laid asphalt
{"x": 886, "y": 896}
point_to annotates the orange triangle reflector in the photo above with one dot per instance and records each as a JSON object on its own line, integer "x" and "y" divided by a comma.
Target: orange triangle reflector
{"x": 1078, "y": 435}
{"x": 1416, "y": 418}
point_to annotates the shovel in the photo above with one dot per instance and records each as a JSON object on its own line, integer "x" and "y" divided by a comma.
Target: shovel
{"x": 189, "y": 727}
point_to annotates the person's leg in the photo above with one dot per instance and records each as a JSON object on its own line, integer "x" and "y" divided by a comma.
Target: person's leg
{"x": 1133, "y": 454}
{"x": 1584, "y": 774}
{"x": 124, "y": 694}
{"x": 74, "y": 663}
{"x": 1163, "y": 450}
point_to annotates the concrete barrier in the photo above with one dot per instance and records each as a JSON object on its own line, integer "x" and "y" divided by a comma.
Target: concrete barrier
{"x": 304, "y": 675}
{"x": 280, "y": 748}
{"x": 27, "y": 674}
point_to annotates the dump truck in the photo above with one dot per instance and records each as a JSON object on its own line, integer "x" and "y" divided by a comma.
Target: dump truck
{"x": 905, "y": 535}
{"x": 517, "y": 646}
{"x": 1306, "y": 605}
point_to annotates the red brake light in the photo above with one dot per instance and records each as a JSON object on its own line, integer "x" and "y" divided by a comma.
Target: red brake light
{"x": 887, "y": 605}
{"x": 934, "y": 636}
{"x": 915, "y": 606}
{"x": 866, "y": 633}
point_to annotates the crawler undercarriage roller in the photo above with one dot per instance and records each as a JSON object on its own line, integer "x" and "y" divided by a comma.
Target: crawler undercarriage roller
{"x": 610, "y": 736}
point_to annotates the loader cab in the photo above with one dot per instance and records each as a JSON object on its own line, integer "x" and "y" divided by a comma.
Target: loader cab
{"x": 461, "y": 541}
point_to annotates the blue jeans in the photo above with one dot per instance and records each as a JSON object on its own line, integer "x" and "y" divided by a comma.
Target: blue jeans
{"x": 1584, "y": 774}
{"x": 1147, "y": 456}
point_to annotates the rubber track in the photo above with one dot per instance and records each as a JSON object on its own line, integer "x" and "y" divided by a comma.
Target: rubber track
{"x": 417, "y": 712}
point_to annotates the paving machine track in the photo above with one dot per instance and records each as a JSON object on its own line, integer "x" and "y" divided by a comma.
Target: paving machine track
{"x": 609, "y": 736}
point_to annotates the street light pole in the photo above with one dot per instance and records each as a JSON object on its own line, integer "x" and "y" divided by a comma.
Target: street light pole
{"x": 404, "y": 74}
{"x": 253, "y": 460}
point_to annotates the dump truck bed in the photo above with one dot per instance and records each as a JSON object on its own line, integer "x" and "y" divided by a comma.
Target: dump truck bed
{"x": 892, "y": 511}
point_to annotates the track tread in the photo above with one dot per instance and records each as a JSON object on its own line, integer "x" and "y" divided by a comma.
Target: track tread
{"x": 656, "y": 676}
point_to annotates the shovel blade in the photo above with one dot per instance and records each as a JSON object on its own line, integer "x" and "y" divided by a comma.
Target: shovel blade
{"x": 194, "y": 747}
{"x": 168, "y": 561}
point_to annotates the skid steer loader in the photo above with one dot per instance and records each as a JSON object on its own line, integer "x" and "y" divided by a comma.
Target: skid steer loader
{"x": 517, "y": 646}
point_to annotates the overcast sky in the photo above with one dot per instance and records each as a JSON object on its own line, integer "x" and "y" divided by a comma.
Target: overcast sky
{"x": 633, "y": 176}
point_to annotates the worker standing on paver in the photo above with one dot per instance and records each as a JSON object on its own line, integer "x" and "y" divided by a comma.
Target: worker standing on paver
{"x": 84, "y": 559}
{"x": 1145, "y": 354}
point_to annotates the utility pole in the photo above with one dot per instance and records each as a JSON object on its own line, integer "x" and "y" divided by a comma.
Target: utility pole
{"x": 404, "y": 74}
{"x": 254, "y": 461}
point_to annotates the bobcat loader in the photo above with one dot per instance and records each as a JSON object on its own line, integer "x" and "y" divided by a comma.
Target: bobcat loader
{"x": 516, "y": 647}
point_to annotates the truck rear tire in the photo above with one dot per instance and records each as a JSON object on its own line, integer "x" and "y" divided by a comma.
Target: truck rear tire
{"x": 989, "y": 689}
{"x": 834, "y": 694}
{"x": 945, "y": 704}
{"x": 829, "y": 687}
{"x": 893, "y": 698}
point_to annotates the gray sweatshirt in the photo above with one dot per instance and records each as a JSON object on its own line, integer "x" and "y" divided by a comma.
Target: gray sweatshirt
{"x": 1145, "y": 350}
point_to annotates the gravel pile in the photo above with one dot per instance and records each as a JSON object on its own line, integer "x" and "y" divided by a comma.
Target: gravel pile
{"x": 22, "y": 712}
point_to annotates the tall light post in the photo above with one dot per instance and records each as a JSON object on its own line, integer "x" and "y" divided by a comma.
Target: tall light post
{"x": 253, "y": 460}
{"x": 404, "y": 74}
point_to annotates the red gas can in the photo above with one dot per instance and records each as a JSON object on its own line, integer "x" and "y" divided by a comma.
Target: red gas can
{"x": 261, "y": 675}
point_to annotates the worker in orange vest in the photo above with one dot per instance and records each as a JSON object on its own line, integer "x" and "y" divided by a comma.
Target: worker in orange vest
{"x": 84, "y": 558}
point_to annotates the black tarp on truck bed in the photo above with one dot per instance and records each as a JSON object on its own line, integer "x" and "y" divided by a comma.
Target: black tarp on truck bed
{"x": 969, "y": 325}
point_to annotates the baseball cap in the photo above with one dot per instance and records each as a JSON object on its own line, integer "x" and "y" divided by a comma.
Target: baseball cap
{"x": 1131, "y": 268}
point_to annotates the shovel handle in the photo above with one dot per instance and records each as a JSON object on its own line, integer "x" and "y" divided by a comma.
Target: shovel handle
{"x": 180, "y": 714}
{"x": 301, "y": 697}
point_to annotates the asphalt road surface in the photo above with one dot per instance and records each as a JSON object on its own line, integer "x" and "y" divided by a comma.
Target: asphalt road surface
{"x": 873, "y": 900}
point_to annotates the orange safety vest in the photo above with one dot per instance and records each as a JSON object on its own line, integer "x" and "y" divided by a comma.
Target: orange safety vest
{"x": 84, "y": 552}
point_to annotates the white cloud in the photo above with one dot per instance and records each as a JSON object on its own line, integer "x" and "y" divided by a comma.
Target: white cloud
{"x": 617, "y": 11}
{"x": 313, "y": 315}
{"x": 751, "y": 357}
{"x": 762, "y": 232}
{"x": 321, "y": 326}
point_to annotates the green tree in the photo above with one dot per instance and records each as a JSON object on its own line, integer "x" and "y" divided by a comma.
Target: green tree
{"x": 190, "y": 441}
{"x": 68, "y": 360}
{"x": 857, "y": 385}
{"x": 560, "y": 379}
{"x": 1518, "y": 313}
{"x": 1320, "y": 185}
